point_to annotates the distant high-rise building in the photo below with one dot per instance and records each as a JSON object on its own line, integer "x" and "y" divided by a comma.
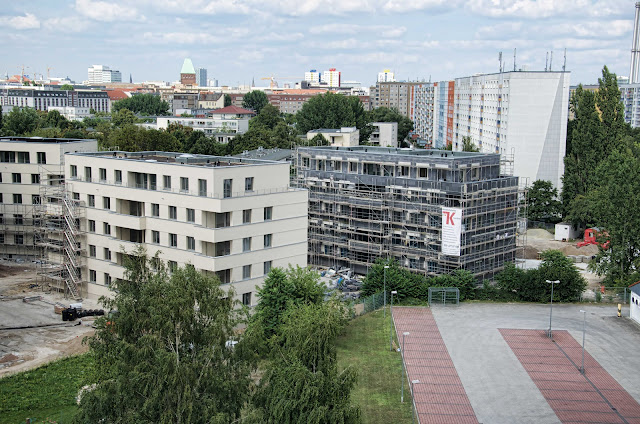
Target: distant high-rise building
{"x": 331, "y": 77}
{"x": 312, "y": 77}
{"x": 634, "y": 73}
{"x": 101, "y": 74}
{"x": 201, "y": 77}
{"x": 386, "y": 76}
{"x": 188, "y": 73}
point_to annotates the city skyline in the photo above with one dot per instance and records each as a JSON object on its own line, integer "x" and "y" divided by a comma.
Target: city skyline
{"x": 238, "y": 41}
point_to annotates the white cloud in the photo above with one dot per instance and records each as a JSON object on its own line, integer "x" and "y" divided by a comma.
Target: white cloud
{"x": 68, "y": 23}
{"x": 388, "y": 31}
{"x": 107, "y": 12}
{"x": 28, "y": 21}
{"x": 500, "y": 30}
{"x": 536, "y": 9}
{"x": 413, "y": 5}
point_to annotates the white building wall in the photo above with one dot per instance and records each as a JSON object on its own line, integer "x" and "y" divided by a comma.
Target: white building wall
{"x": 287, "y": 226}
{"x": 630, "y": 96}
{"x": 385, "y": 134}
{"x": 208, "y": 125}
{"x": 634, "y": 307}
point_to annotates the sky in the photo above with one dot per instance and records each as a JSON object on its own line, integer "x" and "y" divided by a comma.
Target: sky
{"x": 238, "y": 40}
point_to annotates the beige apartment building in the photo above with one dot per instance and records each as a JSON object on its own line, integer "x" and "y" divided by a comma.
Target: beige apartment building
{"x": 234, "y": 217}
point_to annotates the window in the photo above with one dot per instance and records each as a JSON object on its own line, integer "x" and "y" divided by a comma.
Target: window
{"x": 107, "y": 254}
{"x": 423, "y": 172}
{"x": 35, "y": 178}
{"x": 17, "y": 198}
{"x": 184, "y": 184}
{"x": 87, "y": 173}
{"x": 246, "y": 272}
{"x": 153, "y": 182}
{"x": 191, "y": 243}
{"x": 267, "y": 240}
{"x": 92, "y": 275}
{"x": 106, "y": 227}
{"x": 103, "y": 174}
{"x": 1, "y": 238}
{"x": 35, "y": 199}
{"x": 16, "y": 178}
{"x": 246, "y": 216}
{"x": 18, "y": 219}
{"x": 173, "y": 265}
{"x": 173, "y": 212}
{"x": 1, "y": 200}
{"x": 223, "y": 248}
{"x": 227, "y": 188}
{"x": 118, "y": 176}
{"x": 74, "y": 171}
{"x": 92, "y": 226}
{"x": 18, "y": 239}
{"x": 155, "y": 236}
{"x": 246, "y": 299}
{"x": 202, "y": 187}
{"x": 353, "y": 167}
{"x": 246, "y": 244}
{"x": 191, "y": 215}
{"x": 42, "y": 157}
{"x": 224, "y": 276}
{"x": 268, "y": 213}
{"x": 223, "y": 219}
{"x": 173, "y": 240}
{"x": 248, "y": 184}
{"x": 155, "y": 209}
{"x": 23, "y": 157}
{"x": 1, "y": 218}
{"x": 91, "y": 200}
{"x": 92, "y": 251}
{"x": 167, "y": 182}
{"x": 107, "y": 279}
{"x": 267, "y": 267}
{"x": 7, "y": 157}
{"x": 106, "y": 202}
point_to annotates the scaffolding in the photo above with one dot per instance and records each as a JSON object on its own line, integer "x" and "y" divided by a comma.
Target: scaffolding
{"x": 57, "y": 234}
{"x": 369, "y": 203}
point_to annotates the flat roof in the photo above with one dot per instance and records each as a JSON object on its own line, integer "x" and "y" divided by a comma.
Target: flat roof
{"x": 400, "y": 151}
{"x": 179, "y": 158}
{"x": 45, "y": 140}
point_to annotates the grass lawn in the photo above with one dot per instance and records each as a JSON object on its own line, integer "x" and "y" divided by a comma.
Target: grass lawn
{"x": 45, "y": 394}
{"x": 365, "y": 346}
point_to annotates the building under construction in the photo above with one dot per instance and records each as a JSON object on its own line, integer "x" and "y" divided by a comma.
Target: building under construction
{"x": 433, "y": 211}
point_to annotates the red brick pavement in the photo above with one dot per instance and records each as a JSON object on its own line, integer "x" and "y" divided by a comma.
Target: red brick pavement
{"x": 554, "y": 366}
{"x": 440, "y": 397}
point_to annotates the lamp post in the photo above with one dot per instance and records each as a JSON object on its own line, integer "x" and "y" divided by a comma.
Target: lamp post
{"x": 413, "y": 400}
{"x": 391, "y": 326}
{"x": 384, "y": 307}
{"x": 406, "y": 333}
{"x": 551, "y": 308}
{"x": 584, "y": 330}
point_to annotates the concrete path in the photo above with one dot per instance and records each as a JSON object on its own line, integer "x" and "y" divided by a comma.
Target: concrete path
{"x": 439, "y": 396}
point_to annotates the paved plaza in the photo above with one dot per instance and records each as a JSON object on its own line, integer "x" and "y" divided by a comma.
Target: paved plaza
{"x": 503, "y": 385}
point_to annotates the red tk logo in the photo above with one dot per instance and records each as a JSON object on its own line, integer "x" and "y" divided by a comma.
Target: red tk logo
{"x": 450, "y": 216}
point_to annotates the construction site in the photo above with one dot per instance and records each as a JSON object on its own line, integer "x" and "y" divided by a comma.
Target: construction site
{"x": 367, "y": 203}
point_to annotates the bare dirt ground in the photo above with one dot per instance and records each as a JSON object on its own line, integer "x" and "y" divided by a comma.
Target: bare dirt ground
{"x": 47, "y": 337}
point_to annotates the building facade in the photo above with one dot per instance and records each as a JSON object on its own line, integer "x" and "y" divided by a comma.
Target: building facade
{"x": 386, "y": 76}
{"x": 201, "y": 77}
{"x": 367, "y": 203}
{"x": 393, "y": 95}
{"x": 345, "y": 136}
{"x": 207, "y": 125}
{"x": 312, "y": 77}
{"x": 43, "y": 99}
{"x": 232, "y": 217}
{"x": 385, "y": 134}
{"x": 101, "y": 74}
{"x": 331, "y": 78}
{"x": 187, "y": 73}
{"x": 630, "y": 97}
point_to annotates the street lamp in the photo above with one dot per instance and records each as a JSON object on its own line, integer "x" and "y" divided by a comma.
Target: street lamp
{"x": 584, "y": 330}
{"x": 391, "y": 326}
{"x": 551, "y": 309}
{"x": 384, "y": 307}
{"x": 406, "y": 333}
{"x": 413, "y": 400}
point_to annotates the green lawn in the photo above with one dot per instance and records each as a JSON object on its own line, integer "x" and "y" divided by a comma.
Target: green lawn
{"x": 45, "y": 394}
{"x": 365, "y": 346}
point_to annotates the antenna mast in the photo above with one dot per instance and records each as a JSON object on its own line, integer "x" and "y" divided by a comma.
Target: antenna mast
{"x": 514, "y": 60}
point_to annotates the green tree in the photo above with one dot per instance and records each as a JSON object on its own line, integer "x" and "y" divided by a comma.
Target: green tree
{"x": 255, "y": 100}
{"x": 615, "y": 205}
{"x": 468, "y": 146}
{"x": 268, "y": 117}
{"x": 123, "y": 117}
{"x": 611, "y": 108}
{"x": 302, "y": 383}
{"x": 66, "y": 87}
{"x": 20, "y": 121}
{"x": 543, "y": 204}
{"x": 385, "y": 114}
{"x": 53, "y": 118}
{"x": 227, "y": 100}
{"x": 164, "y": 356}
{"x": 331, "y": 110}
{"x": 281, "y": 290}
{"x": 144, "y": 104}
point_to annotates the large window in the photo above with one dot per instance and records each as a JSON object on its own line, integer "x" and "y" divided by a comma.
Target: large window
{"x": 42, "y": 157}
{"x": 268, "y": 213}
{"x": 173, "y": 212}
{"x": 223, "y": 248}
{"x": 246, "y": 244}
{"x": 223, "y": 219}
{"x": 103, "y": 174}
{"x": 191, "y": 215}
{"x": 18, "y": 239}
{"x": 155, "y": 209}
{"x": 267, "y": 240}
{"x": 106, "y": 227}
{"x": 35, "y": 178}
{"x": 248, "y": 184}
{"x": 173, "y": 240}
{"x": 202, "y": 187}
{"x": 191, "y": 243}
{"x": 246, "y": 272}
{"x": 246, "y": 299}
{"x": 167, "y": 182}
{"x": 227, "y": 188}
{"x": 92, "y": 251}
{"x": 16, "y": 178}
{"x": 184, "y": 184}
{"x": 87, "y": 173}
{"x": 106, "y": 202}
{"x": 118, "y": 176}
{"x": 267, "y": 267}
{"x": 155, "y": 236}
{"x": 246, "y": 216}
{"x": 92, "y": 226}
{"x": 74, "y": 171}
{"x": 91, "y": 200}
{"x": 17, "y": 198}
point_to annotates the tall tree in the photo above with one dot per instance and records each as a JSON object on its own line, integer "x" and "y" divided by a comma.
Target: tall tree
{"x": 543, "y": 204}
{"x": 255, "y": 100}
{"x": 227, "y": 100}
{"x": 302, "y": 384}
{"x": 144, "y": 104}
{"x": 611, "y": 109}
{"x": 468, "y": 146}
{"x": 331, "y": 110}
{"x": 164, "y": 356}
{"x": 20, "y": 121}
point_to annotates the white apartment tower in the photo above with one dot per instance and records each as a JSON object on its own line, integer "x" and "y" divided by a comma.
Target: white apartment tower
{"x": 101, "y": 74}
{"x": 312, "y": 77}
{"x": 331, "y": 77}
{"x": 518, "y": 114}
{"x": 386, "y": 76}
{"x": 233, "y": 217}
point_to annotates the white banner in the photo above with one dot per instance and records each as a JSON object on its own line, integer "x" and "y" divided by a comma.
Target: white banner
{"x": 451, "y": 230}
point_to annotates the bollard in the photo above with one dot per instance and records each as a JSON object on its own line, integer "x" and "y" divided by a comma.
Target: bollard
{"x": 619, "y": 310}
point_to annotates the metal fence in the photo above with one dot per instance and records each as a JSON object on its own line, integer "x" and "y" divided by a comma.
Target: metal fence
{"x": 606, "y": 295}
{"x": 444, "y": 296}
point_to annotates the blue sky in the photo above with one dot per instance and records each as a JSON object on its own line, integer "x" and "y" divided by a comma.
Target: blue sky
{"x": 237, "y": 40}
